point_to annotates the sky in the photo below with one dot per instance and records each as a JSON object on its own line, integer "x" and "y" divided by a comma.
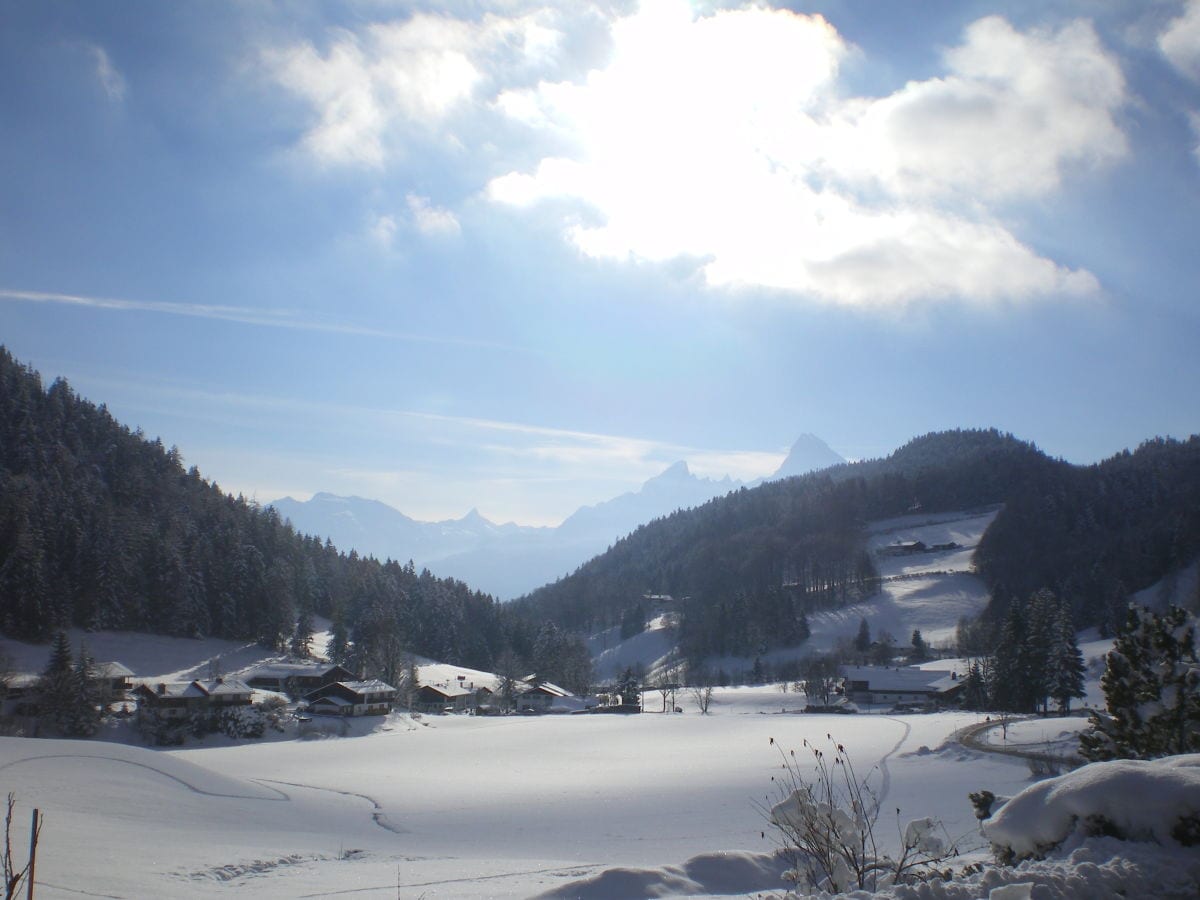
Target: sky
{"x": 522, "y": 256}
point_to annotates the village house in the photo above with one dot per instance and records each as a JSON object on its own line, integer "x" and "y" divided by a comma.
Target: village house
{"x": 542, "y": 696}
{"x": 115, "y": 681}
{"x": 177, "y": 700}
{"x": 352, "y": 698}
{"x": 19, "y": 696}
{"x": 903, "y": 685}
{"x": 436, "y": 698}
{"x": 296, "y": 679}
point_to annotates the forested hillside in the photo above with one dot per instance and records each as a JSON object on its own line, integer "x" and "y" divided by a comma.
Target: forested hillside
{"x": 1095, "y": 534}
{"x": 101, "y": 528}
{"x": 748, "y": 567}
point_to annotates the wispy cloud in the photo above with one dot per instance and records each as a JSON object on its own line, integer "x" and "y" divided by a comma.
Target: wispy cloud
{"x": 269, "y": 318}
{"x": 1180, "y": 41}
{"x": 432, "y": 220}
{"x": 610, "y": 454}
{"x": 110, "y": 79}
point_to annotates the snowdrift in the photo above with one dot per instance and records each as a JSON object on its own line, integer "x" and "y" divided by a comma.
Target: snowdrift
{"x": 1154, "y": 801}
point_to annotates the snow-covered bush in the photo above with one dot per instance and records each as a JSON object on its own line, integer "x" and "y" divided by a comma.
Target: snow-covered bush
{"x": 275, "y": 713}
{"x": 1135, "y": 800}
{"x": 828, "y": 821}
{"x": 160, "y": 730}
{"x": 240, "y": 722}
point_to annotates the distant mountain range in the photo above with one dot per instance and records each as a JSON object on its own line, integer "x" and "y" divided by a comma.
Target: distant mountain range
{"x": 510, "y": 560}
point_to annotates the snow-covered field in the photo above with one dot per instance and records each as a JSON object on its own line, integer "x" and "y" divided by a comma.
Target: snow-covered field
{"x": 566, "y": 806}
{"x": 462, "y": 806}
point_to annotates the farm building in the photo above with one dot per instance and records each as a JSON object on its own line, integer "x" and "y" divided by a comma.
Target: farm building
{"x": 907, "y": 685}
{"x": 352, "y": 698}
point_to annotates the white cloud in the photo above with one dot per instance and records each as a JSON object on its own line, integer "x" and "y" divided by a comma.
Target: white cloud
{"x": 383, "y": 230}
{"x": 727, "y": 138}
{"x": 371, "y": 89}
{"x": 1014, "y": 112}
{"x": 431, "y": 220}
{"x": 110, "y": 79}
{"x": 738, "y": 150}
{"x": 1180, "y": 42}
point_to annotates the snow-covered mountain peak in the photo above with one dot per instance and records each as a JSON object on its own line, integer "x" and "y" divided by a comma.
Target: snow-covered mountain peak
{"x": 808, "y": 454}
{"x": 676, "y": 472}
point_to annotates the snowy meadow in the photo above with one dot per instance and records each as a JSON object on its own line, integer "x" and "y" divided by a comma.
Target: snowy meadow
{"x": 458, "y": 806}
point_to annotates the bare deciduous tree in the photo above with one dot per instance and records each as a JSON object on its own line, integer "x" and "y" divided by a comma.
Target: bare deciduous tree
{"x": 14, "y": 877}
{"x": 701, "y": 690}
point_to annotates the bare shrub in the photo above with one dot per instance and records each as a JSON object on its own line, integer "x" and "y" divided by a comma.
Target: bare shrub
{"x": 827, "y": 823}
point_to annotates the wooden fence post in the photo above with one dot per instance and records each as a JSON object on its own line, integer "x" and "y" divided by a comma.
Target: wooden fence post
{"x": 34, "y": 828}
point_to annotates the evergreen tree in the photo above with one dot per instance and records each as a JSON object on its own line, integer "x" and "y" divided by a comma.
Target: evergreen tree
{"x": 1151, "y": 688}
{"x": 57, "y": 690}
{"x": 920, "y": 650}
{"x": 338, "y": 648}
{"x": 85, "y": 712}
{"x": 974, "y": 694}
{"x": 862, "y": 640}
{"x": 630, "y": 689}
{"x": 1043, "y": 610}
{"x": 1066, "y": 673}
{"x": 1011, "y": 681}
{"x": 302, "y": 635}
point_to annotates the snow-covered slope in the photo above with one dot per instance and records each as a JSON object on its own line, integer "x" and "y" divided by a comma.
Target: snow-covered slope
{"x": 148, "y": 656}
{"x": 650, "y": 650}
{"x": 930, "y": 591}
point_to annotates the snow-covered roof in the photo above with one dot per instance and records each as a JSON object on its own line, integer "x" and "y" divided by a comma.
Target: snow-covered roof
{"x": 176, "y": 689}
{"x": 225, "y": 686}
{"x": 332, "y": 700}
{"x": 449, "y": 690}
{"x": 372, "y": 686}
{"x": 289, "y": 669}
{"x": 908, "y": 679}
{"x": 547, "y": 687}
{"x": 112, "y": 669}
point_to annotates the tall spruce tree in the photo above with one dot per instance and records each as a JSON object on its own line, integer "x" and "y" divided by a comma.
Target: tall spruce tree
{"x": 1010, "y": 685}
{"x": 85, "y": 712}
{"x": 862, "y": 640}
{"x": 920, "y": 650}
{"x": 57, "y": 687}
{"x": 1151, "y": 688}
{"x": 302, "y": 634}
{"x": 1065, "y": 677}
{"x": 974, "y": 694}
{"x": 1042, "y": 612}
{"x": 338, "y": 647}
